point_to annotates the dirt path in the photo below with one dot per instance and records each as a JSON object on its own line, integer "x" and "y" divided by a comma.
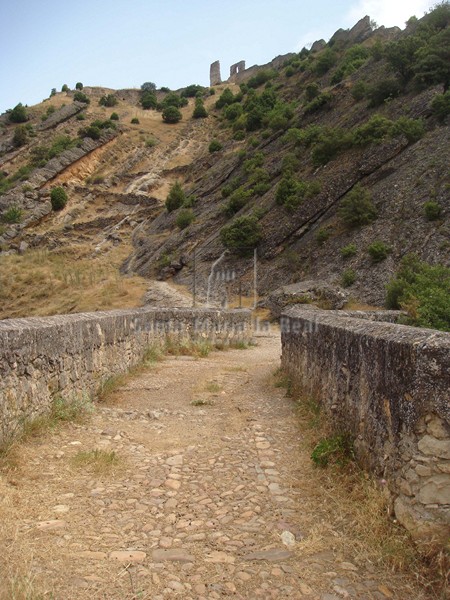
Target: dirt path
{"x": 212, "y": 498}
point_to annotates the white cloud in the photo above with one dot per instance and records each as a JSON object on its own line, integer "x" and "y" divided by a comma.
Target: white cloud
{"x": 388, "y": 12}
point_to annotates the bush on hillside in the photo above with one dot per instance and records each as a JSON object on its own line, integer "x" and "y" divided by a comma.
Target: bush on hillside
{"x": 356, "y": 208}
{"x": 79, "y": 86}
{"x": 20, "y": 136}
{"x": 378, "y": 251}
{"x": 184, "y": 218}
{"x": 199, "y": 110}
{"x": 423, "y": 290}
{"x": 58, "y": 198}
{"x": 149, "y": 100}
{"x": 215, "y": 146}
{"x": 80, "y": 97}
{"x": 241, "y": 236}
{"x": 171, "y": 114}
{"x": 18, "y": 114}
{"x": 175, "y": 198}
{"x": 432, "y": 210}
{"x": 385, "y": 90}
{"x": 148, "y": 86}
{"x": 440, "y": 106}
{"x": 109, "y": 100}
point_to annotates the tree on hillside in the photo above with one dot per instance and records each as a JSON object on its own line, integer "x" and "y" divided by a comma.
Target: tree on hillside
{"x": 171, "y": 114}
{"x": 175, "y": 198}
{"x": 199, "y": 110}
{"x": 18, "y": 114}
{"x": 148, "y": 86}
{"x": 79, "y": 86}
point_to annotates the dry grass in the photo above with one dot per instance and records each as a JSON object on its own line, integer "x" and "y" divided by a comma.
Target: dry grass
{"x": 99, "y": 462}
{"x": 63, "y": 410}
{"x": 42, "y": 283}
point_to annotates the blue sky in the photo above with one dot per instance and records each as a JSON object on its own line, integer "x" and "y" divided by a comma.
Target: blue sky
{"x": 119, "y": 44}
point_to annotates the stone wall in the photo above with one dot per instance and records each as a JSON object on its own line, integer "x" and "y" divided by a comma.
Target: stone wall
{"x": 71, "y": 355}
{"x": 388, "y": 386}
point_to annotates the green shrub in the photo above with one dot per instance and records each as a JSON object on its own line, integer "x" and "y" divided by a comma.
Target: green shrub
{"x": 348, "y": 251}
{"x": 184, "y": 218}
{"x": 94, "y": 132}
{"x": 239, "y": 136}
{"x": 376, "y": 129}
{"x": 20, "y": 137}
{"x": 440, "y": 106}
{"x": 65, "y": 88}
{"x": 80, "y": 117}
{"x": 114, "y": 116}
{"x": 348, "y": 278}
{"x": 232, "y": 185}
{"x": 329, "y": 143}
{"x": 432, "y": 210}
{"x": 18, "y": 114}
{"x": 175, "y": 198}
{"x": 325, "y": 61}
{"x": 359, "y": 91}
{"x": 109, "y": 100}
{"x": 151, "y": 142}
{"x": 289, "y": 71}
{"x": 423, "y": 290}
{"x": 149, "y": 100}
{"x": 237, "y": 201}
{"x": 149, "y": 86}
{"x": 336, "y": 450}
{"x": 261, "y": 77}
{"x": 242, "y": 235}
{"x": 291, "y": 192}
{"x": 80, "y": 97}
{"x": 199, "y": 110}
{"x": 383, "y": 91}
{"x": 58, "y": 198}
{"x": 192, "y": 90}
{"x": 12, "y": 215}
{"x": 173, "y": 99}
{"x": 261, "y": 188}
{"x": 378, "y": 251}
{"x": 135, "y": 121}
{"x": 233, "y": 111}
{"x": 215, "y": 146}
{"x": 323, "y": 235}
{"x": 253, "y": 163}
{"x": 319, "y": 102}
{"x": 79, "y": 86}
{"x": 356, "y": 208}
{"x": 171, "y": 114}
{"x": 312, "y": 90}
{"x": 226, "y": 98}
{"x": 412, "y": 129}
{"x": 290, "y": 163}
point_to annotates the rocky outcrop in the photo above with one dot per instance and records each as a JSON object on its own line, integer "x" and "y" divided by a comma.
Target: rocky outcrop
{"x": 321, "y": 293}
{"x": 63, "y": 114}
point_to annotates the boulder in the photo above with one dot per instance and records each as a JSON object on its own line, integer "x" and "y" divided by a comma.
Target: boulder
{"x": 322, "y": 293}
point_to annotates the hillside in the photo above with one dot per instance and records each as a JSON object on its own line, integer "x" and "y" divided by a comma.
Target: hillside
{"x": 332, "y": 163}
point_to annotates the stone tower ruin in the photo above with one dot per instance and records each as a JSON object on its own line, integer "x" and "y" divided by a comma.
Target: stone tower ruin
{"x": 237, "y": 68}
{"x": 214, "y": 74}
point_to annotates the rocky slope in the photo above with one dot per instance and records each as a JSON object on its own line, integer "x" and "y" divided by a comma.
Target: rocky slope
{"x": 311, "y": 122}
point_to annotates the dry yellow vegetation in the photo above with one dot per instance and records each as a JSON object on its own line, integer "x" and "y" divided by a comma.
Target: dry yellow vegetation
{"x": 42, "y": 283}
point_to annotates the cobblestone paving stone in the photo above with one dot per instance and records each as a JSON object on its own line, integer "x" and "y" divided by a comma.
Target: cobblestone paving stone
{"x": 207, "y": 504}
